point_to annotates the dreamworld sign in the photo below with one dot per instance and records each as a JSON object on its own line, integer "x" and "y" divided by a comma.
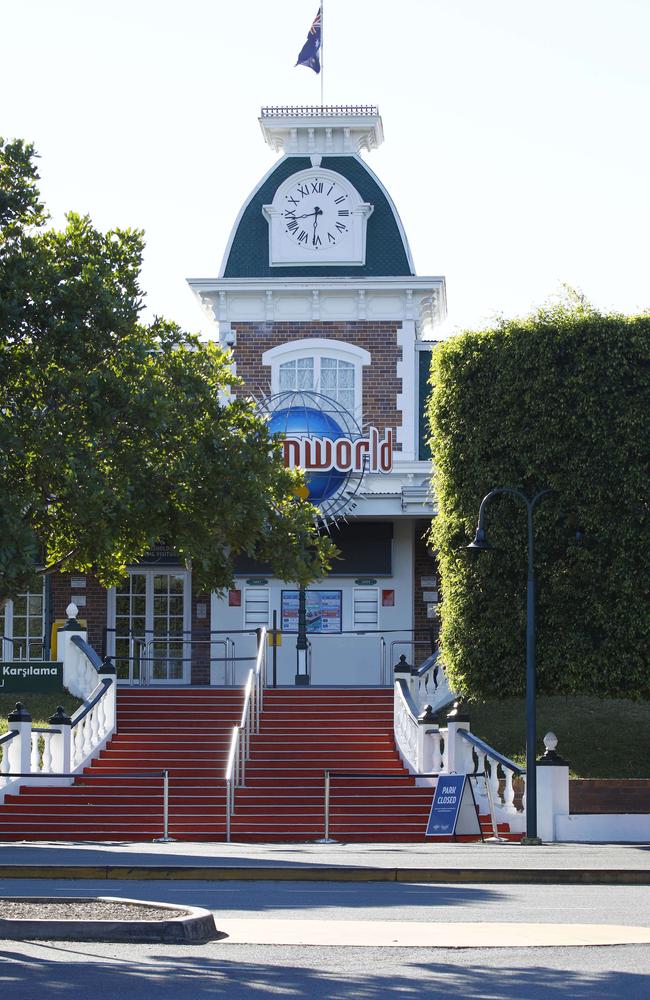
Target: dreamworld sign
{"x": 364, "y": 454}
{"x": 320, "y": 436}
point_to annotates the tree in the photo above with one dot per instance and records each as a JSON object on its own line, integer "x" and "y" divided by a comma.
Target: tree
{"x": 561, "y": 400}
{"x": 112, "y": 432}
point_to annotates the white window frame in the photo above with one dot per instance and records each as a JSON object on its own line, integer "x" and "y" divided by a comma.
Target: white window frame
{"x": 7, "y": 644}
{"x": 318, "y": 348}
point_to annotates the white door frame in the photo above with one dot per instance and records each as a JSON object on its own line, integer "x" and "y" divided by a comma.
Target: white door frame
{"x": 149, "y": 572}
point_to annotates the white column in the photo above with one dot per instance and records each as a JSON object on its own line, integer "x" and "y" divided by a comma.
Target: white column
{"x": 552, "y": 789}
{"x": 19, "y": 751}
{"x": 458, "y": 753}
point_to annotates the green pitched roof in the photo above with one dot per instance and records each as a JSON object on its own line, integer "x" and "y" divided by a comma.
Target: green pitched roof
{"x": 385, "y": 251}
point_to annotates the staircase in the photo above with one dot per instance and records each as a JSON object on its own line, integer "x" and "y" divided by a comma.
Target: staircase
{"x": 302, "y": 733}
{"x": 186, "y": 731}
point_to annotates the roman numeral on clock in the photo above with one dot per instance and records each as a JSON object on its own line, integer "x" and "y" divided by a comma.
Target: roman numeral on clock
{"x": 341, "y": 228}
{"x": 294, "y": 201}
{"x": 303, "y": 190}
{"x": 331, "y": 238}
{"x": 344, "y": 211}
{"x": 302, "y": 236}
{"x": 317, "y": 187}
{"x": 341, "y": 197}
{"x": 317, "y": 241}
{"x": 292, "y": 226}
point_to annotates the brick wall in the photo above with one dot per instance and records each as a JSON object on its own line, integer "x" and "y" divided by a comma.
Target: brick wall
{"x": 609, "y": 795}
{"x": 380, "y": 382}
{"x": 94, "y": 611}
{"x": 200, "y": 632}
{"x": 424, "y": 565}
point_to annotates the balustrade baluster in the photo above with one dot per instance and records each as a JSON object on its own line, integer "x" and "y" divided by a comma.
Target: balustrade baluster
{"x": 494, "y": 781}
{"x": 35, "y": 757}
{"x": 445, "y": 751}
{"x": 94, "y": 726}
{"x": 4, "y": 763}
{"x": 509, "y": 792}
{"x": 481, "y": 786}
{"x": 437, "y": 751}
{"x": 46, "y": 765}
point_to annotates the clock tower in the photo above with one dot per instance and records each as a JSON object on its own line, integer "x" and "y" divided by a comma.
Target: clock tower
{"x": 331, "y": 329}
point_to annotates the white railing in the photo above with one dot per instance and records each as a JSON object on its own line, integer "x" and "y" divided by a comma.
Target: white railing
{"x": 430, "y": 685}
{"x": 421, "y": 744}
{"x": 50, "y": 754}
{"x": 249, "y": 725}
{"x": 92, "y": 724}
{"x": 494, "y": 787}
{"x": 425, "y": 748}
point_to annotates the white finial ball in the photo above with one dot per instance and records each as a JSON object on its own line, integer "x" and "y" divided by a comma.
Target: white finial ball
{"x": 550, "y": 741}
{"x": 72, "y": 610}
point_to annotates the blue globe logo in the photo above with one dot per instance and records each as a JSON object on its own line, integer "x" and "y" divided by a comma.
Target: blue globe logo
{"x": 306, "y": 421}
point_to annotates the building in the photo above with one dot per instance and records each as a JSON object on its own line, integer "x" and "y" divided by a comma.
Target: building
{"x": 331, "y": 331}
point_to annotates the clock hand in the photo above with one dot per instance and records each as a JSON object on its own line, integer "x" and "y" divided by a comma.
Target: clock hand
{"x": 317, "y": 212}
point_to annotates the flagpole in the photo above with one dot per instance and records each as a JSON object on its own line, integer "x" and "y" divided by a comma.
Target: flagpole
{"x": 322, "y": 65}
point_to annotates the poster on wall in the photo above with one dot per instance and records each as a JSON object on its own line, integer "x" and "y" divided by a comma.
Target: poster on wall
{"x": 323, "y": 608}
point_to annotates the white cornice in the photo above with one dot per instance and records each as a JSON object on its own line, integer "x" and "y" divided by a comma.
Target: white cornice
{"x": 282, "y": 300}
{"x": 322, "y": 130}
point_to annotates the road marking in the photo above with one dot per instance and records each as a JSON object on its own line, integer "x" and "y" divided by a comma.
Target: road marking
{"x": 421, "y": 934}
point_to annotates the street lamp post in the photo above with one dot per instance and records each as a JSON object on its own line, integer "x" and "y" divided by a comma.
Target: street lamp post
{"x": 302, "y": 669}
{"x": 481, "y": 543}
{"x": 302, "y": 643}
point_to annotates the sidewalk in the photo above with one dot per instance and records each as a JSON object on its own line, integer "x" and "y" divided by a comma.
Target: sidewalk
{"x": 506, "y": 863}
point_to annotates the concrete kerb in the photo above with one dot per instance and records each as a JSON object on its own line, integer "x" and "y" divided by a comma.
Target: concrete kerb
{"x": 178, "y": 925}
{"x": 324, "y": 873}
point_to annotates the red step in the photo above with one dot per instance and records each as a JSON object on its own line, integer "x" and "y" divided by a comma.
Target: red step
{"x": 303, "y": 733}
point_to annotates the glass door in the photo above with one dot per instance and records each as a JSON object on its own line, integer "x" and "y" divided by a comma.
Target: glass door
{"x": 151, "y": 622}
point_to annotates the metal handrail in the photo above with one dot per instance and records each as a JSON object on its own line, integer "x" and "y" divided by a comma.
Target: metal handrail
{"x": 145, "y": 658}
{"x": 249, "y": 724}
{"x": 328, "y": 775}
{"x": 28, "y": 642}
{"x": 491, "y": 752}
{"x": 165, "y": 839}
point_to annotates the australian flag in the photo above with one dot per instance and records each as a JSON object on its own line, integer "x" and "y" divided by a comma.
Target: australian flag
{"x": 310, "y": 52}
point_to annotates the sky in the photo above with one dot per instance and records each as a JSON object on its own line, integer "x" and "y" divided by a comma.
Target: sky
{"x": 517, "y": 146}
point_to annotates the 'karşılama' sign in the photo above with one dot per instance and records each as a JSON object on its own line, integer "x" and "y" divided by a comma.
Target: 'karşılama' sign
{"x": 26, "y": 675}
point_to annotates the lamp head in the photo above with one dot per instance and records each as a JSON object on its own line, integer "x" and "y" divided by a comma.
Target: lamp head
{"x": 480, "y": 542}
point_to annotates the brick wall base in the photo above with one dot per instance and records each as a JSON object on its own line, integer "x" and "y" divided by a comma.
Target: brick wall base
{"x": 609, "y": 795}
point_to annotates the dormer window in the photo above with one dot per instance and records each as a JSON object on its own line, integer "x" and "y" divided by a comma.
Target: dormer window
{"x": 330, "y": 367}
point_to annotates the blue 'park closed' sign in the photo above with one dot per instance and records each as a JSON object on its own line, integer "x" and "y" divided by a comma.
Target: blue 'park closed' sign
{"x": 453, "y": 810}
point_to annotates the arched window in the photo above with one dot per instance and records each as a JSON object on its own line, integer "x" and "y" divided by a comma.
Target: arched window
{"x": 328, "y": 366}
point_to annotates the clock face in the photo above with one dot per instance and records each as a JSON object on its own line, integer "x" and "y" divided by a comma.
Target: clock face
{"x": 316, "y": 213}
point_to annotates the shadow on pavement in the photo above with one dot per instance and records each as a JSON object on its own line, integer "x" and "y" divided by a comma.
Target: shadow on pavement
{"x": 200, "y": 976}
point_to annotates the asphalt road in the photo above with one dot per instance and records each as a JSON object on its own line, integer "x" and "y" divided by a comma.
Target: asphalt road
{"x": 49, "y": 970}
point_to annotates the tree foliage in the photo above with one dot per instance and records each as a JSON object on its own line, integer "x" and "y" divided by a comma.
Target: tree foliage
{"x": 558, "y": 400}
{"x": 112, "y": 432}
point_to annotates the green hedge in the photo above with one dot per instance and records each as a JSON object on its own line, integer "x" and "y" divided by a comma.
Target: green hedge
{"x": 560, "y": 400}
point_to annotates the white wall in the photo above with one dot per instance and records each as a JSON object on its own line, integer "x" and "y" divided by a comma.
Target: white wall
{"x": 336, "y": 659}
{"x": 603, "y": 828}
